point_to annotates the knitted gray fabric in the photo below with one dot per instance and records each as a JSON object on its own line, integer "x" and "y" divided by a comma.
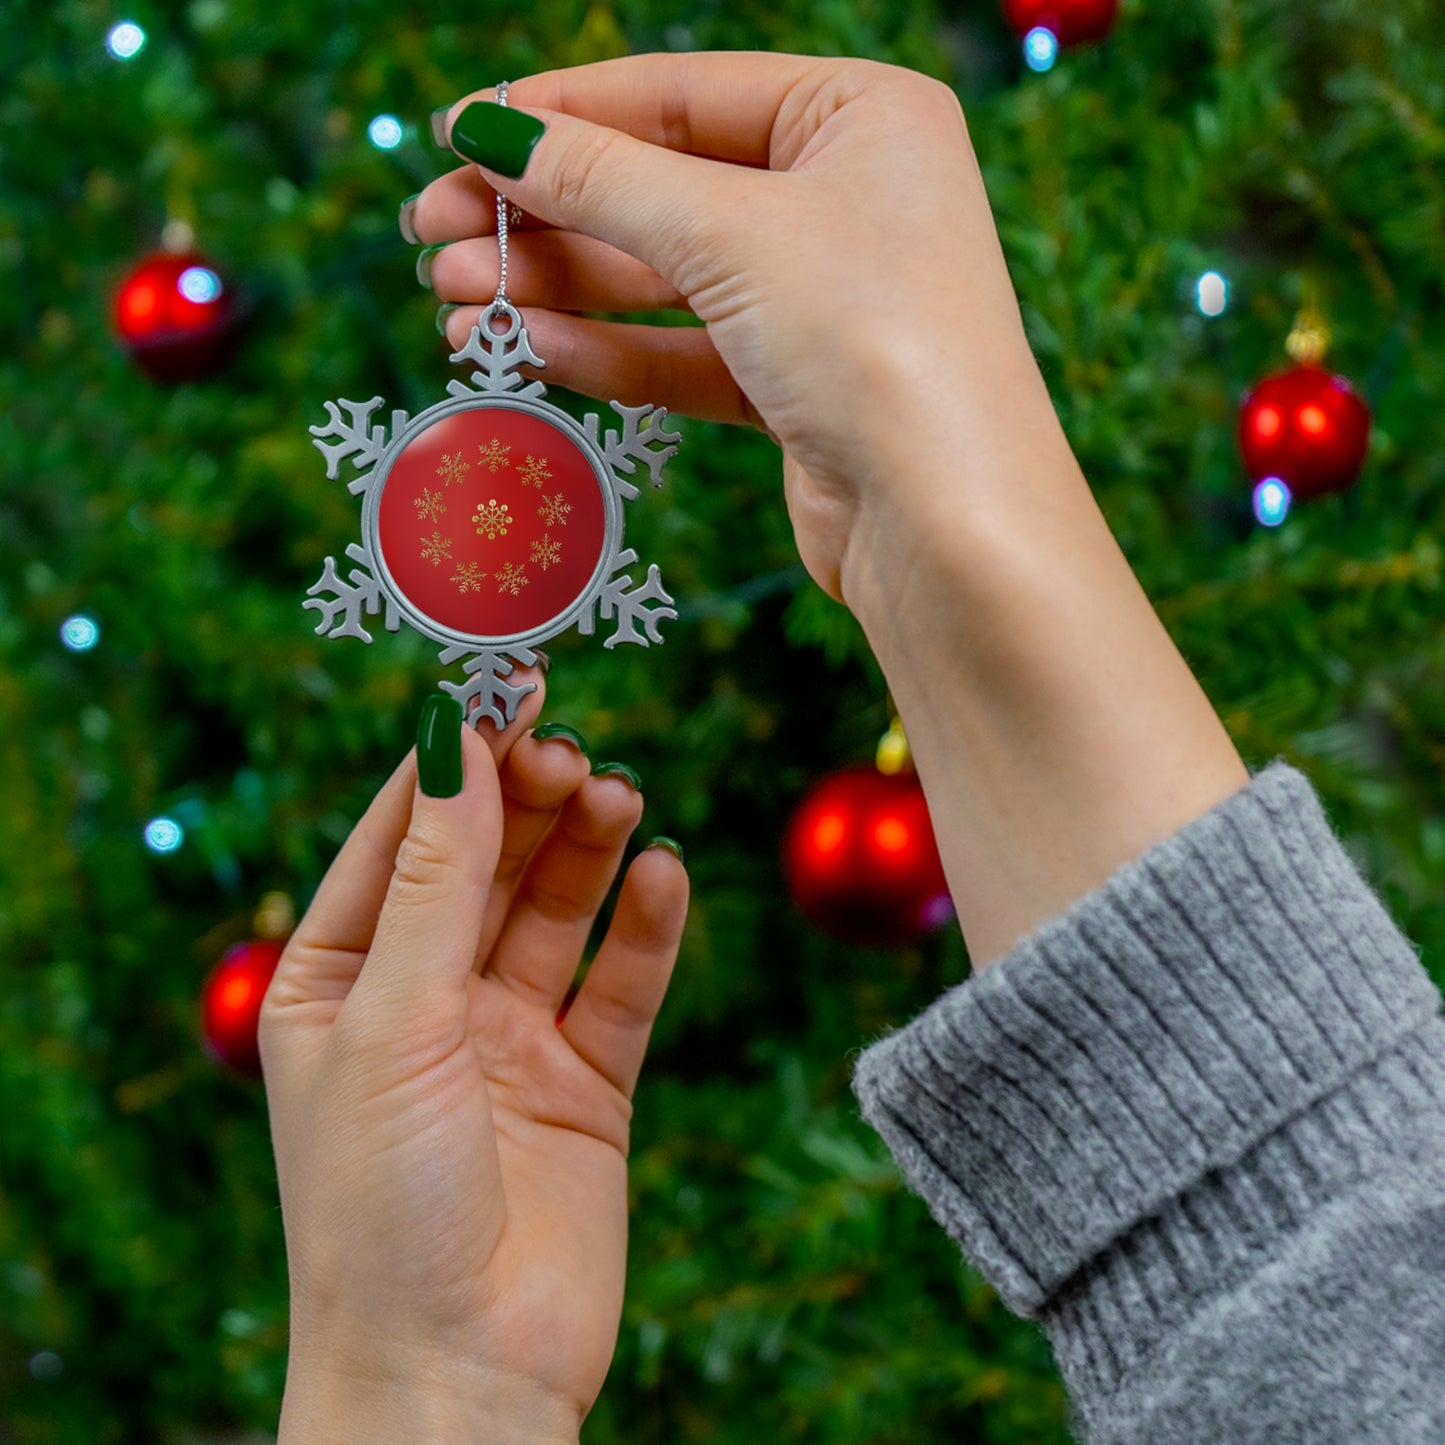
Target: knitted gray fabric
{"x": 1195, "y": 1126}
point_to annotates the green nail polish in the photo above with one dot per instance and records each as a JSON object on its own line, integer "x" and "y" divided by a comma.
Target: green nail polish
{"x": 439, "y": 125}
{"x": 423, "y": 263}
{"x": 496, "y": 136}
{"x": 671, "y": 844}
{"x": 443, "y": 312}
{"x": 561, "y": 730}
{"x": 617, "y": 770}
{"x": 404, "y": 219}
{"x": 439, "y": 746}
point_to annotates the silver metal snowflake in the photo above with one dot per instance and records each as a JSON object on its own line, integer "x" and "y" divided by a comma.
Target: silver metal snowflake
{"x": 488, "y": 650}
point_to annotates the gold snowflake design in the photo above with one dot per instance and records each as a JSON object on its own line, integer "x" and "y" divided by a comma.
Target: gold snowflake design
{"x": 437, "y": 549}
{"x": 493, "y": 520}
{"x": 493, "y": 456}
{"x": 429, "y": 506}
{"x": 553, "y": 511}
{"x": 454, "y": 469}
{"x": 546, "y": 552}
{"x": 468, "y": 577}
{"x": 511, "y": 578}
{"x": 534, "y": 472}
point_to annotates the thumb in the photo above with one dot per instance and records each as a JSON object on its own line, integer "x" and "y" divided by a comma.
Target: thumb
{"x": 422, "y": 951}
{"x": 646, "y": 200}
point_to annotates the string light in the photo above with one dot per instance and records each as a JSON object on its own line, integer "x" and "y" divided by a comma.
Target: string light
{"x": 1041, "y": 48}
{"x": 385, "y": 132}
{"x": 1271, "y": 502}
{"x": 164, "y": 835}
{"x": 1211, "y": 294}
{"x": 126, "y": 40}
{"x": 79, "y": 633}
{"x": 199, "y": 284}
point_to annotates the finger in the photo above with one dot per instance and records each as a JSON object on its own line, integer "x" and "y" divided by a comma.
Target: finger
{"x": 461, "y": 204}
{"x": 611, "y": 1019}
{"x": 673, "y": 366}
{"x": 563, "y": 889}
{"x": 557, "y": 269}
{"x": 413, "y": 983}
{"x": 539, "y": 776}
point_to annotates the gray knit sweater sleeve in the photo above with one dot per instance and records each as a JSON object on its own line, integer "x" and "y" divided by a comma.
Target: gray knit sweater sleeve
{"x": 1196, "y": 1127}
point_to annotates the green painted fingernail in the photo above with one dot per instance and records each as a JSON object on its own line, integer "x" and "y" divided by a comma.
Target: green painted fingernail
{"x": 561, "y": 730}
{"x": 671, "y": 844}
{"x": 439, "y": 746}
{"x": 443, "y": 312}
{"x": 423, "y": 263}
{"x": 404, "y": 219}
{"x": 496, "y": 136}
{"x": 618, "y": 770}
{"x": 439, "y": 125}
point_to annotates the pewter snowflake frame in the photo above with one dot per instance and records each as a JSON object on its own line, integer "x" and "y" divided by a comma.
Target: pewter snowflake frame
{"x": 614, "y": 456}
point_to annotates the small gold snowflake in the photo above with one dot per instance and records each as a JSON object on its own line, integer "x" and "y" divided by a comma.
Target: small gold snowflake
{"x": 511, "y": 578}
{"x": 454, "y": 469}
{"x": 493, "y": 519}
{"x": 553, "y": 511}
{"x": 546, "y": 552}
{"x": 468, "y": 577}
{"x": 494, "y": 456}
{"x": 437, "y": 549}
{"x": 429, "y": 506}
{"x": 534, "y": 472}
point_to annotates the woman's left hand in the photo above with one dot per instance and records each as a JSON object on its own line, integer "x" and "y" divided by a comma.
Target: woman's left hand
{"x": 452, "y": 1155}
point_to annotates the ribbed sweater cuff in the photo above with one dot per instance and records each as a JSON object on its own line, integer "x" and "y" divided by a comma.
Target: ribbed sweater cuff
{"x": 1223, "y": 983}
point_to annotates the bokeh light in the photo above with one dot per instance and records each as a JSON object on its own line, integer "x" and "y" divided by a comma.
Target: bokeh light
{"x": 1041, "y": 48}
{"x": 1271, "y": 501}
{"x": 79, "y": 633}
{"x": 199, "y": 284}
{"x": 126, "y": 40}
{"x": 1212, "y": 294}
{"x": 164, "y": 835}
{"x": 385, "y": 132}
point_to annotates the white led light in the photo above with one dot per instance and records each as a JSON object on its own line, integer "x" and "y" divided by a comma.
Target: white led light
{"x": 1271, "y": 501}
{"x": 1211, "y": 293}
{"x": 199, "y": 284}
{"x": 126, "y": 40}
{"x": 164, "y": 835}
{"x": 385, "y": 132}
{"x": 79, "y": 633}
{"x": 1041, "y": 48}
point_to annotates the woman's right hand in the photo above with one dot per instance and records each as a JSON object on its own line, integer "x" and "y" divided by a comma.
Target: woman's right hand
{"x": 825, "y": 218}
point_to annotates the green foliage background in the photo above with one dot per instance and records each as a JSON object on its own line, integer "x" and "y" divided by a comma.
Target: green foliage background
{"x": 783, "y": 1285}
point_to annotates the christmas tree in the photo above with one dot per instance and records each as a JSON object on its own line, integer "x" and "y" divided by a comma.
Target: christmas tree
{"x": 178, "y": 744}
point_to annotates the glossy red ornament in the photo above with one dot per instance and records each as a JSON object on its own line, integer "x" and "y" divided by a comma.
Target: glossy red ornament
{"x": 1073, "y": 22}
{"x": 231, "y": 1003}
{"x": 176, "y": 317}
{"x": 1307, "y": 427}
{"x": 861, "y": 860}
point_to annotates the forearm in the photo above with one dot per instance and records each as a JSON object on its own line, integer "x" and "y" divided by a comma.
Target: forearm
{"x": 1057, "y": 730}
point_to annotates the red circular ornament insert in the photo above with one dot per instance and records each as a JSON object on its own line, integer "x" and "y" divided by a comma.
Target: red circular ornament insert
{"x": 492, "y": 522}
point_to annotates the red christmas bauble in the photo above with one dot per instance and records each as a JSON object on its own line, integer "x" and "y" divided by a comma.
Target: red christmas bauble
{"x": 231, "y": 1003}
{"x": 176, "y": 317}
{"x": 1073, "y": 22}
{"x": 1307, "y": 427}
{"x": 861, "y": 860}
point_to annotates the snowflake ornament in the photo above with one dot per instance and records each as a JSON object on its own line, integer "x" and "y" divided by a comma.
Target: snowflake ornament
{"x": 509, "y": 584}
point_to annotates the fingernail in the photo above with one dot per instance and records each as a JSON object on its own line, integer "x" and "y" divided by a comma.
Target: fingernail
{"x": 671, "y": 844}
{"x": 561, "y": 730}
{"x": 439, "y": 125}
{"x": 404, "y": 220}
{"x": 496, "y": 136}
{"x": 423, "y": 263}
{"x": 443, "y": 312}
{"x": 617, "y": 770}
{"x": 439, "y": 747}
{"x": 543, "y": 661}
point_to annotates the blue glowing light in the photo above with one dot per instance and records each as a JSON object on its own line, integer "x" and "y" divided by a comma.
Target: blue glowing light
{"x": 126, "y": 40}
{"x": 385, "y": 132}
{"x": 79, "y": 633}
{"x": 199, "y": 284}
{"x": 1271, "y": 501}
{"x": 1041, "y": 48}
{"x": 1211, "y": 293}
{"x": 164, "y": 835}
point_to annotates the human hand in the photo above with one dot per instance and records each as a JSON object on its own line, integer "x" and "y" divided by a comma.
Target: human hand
{"x": 825, "y": 218}
{"x": 452, "y": 1156}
